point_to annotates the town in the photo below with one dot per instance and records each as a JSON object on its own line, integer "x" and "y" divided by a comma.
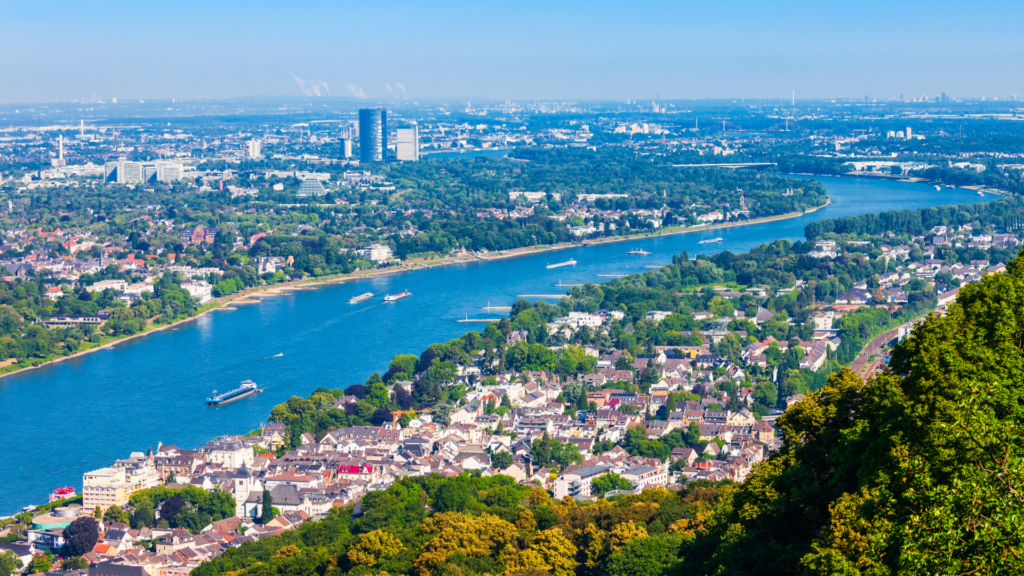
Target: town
{"x": 583, "y": 405}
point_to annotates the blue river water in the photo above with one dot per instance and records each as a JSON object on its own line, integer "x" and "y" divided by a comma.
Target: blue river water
{"x": 61, "y": 420}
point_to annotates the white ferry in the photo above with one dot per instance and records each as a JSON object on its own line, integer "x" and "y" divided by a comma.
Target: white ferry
{"x": 569, "y": 262}
{"x": 397, "y": 297}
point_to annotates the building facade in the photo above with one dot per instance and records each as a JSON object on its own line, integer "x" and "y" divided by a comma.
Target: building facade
{"x": 104, "y": 488}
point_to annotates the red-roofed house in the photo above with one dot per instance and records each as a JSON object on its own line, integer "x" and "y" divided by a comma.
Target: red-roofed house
{"x": 363, "y": 471}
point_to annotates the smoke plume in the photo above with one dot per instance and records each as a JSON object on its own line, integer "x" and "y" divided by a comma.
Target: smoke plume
{"x": 311, "y": 87}
{"x": 356, "y": 91}
{"x": 402, "y": 88}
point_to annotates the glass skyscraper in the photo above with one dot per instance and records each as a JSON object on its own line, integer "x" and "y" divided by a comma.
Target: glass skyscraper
{"x": 373, "y": 135}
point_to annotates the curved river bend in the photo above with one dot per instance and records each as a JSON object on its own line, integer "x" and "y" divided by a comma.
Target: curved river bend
{"x": 68, "y": 418}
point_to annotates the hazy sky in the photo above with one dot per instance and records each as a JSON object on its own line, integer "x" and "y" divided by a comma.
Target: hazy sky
{"x": 73, "y": 49}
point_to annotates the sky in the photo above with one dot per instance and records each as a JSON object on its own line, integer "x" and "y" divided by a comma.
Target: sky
{"x": 67, "y": 50}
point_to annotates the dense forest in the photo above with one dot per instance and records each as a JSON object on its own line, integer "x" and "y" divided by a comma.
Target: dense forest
{"x": 1004, "y": 214}
{"x": 474, "y": 525}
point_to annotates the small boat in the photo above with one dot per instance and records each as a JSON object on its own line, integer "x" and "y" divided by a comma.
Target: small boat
{"x": 569, "y": 262}
{"x": 360, "y": 298}
{"x": 938, "y": 187}
{"x": 397, "y": 297}
{"x": 980, "y": 193}
{"x": 248, "y": 387}
{"x": 638, "y": 252}
{"x": 710, "y": 240}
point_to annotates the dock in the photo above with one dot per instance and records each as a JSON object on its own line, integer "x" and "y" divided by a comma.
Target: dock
{"x": 496, "y": 308}
{"x": 541, "y": 296}
{"x": 560, "y": 285}
{"x": 654, "y": 267}
{"x": 479, "y": 320}
{"x": 613, "y": 275}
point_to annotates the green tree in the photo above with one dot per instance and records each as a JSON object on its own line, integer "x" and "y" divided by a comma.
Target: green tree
{"x": 653, "y": 556}
{"x": 501, "y": 460}
{"x": 377, "y": 395}
{"x": 443, "y": 372}
{"x": 217, "y": 505}
{"x": 268, "y": 507}
{"x": 116, "y": 514}
{"x": 80, "y": 536}
{"x": 452, "y": 496}
{"x": 144, "y": 515}
{"x": 40, "y": 564}
{"x": 9, "y": 563}
{"x": 374, "y": 547}
{"x": 608, "y": 482}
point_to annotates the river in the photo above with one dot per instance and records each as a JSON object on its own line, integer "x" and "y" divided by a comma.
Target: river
{"x": 81, "y": 414}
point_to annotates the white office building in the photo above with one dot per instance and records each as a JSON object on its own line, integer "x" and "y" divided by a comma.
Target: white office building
{"x": 124, "y": 172}
{"x": 377, "y": 252}
{"x": 254, "y": 149}
{"x": 409, "y": 143}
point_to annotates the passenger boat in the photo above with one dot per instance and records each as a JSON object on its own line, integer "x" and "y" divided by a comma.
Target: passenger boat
{"x": 248, "y": 387}
{"x": 62, "y": 493}
{"x": 397, "y": 297}
{"x": 360, "y": 298}
{"x": 569, "y": 262}
{"x": 638, "y": 252}
{"x": 710, "y": 241}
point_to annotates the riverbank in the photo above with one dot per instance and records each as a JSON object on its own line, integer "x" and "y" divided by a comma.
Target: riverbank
{"x": 247, "y": 296}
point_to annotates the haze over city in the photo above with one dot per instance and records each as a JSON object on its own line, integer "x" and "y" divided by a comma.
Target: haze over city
{"x": 67, "y": 51}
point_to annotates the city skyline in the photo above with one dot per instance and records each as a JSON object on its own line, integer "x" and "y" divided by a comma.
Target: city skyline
{"x": 463, "y": 50}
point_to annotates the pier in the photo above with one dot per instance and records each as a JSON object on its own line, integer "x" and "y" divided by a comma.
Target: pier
{"x": 613, "y": 275}
{"x": 479, "y": 320}
{"x": 541, "y": 295}
{"x": 496, "y": 308}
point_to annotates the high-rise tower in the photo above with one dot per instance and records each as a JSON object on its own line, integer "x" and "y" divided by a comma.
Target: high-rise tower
{"x": 373, "y": 135}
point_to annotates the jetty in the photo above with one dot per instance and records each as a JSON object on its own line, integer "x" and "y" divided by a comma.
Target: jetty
{"x": 613, "y": 275}
{"x": 541, "y": 295}
{"x": 479, "y": 320}
{"x": 560, "y": 285}
{"x": 654, "y": 267}
{"x": 496, "y": 308}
